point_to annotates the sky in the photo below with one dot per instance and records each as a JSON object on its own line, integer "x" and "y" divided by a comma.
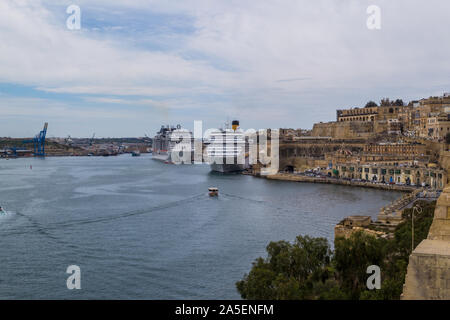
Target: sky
{"x": 135, "y": 65}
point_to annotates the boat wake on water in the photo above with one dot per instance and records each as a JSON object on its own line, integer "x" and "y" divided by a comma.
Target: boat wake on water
{"x": 4, "y": 213}
{"x": 243, "y": 198}
{"x": 36, "y": 226}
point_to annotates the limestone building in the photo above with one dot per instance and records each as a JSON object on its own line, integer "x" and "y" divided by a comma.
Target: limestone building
{"x": 433, "y": 177}
{"x": 401, "y": 150}
{"x": 376, "y": 113}
{"x": 438, "y": 125}
{"x": 426, "y": 113}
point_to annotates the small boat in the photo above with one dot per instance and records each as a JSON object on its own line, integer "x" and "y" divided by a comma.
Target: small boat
{"x": 135, "y": 153}
{"x": 213, "y": 192}
{"x": 2, "y": 211}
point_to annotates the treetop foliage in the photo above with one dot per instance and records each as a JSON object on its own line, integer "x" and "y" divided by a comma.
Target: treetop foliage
{"x": 309, "y": 269}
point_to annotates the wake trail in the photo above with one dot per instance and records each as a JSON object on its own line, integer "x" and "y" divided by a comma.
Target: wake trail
{"x": 243, "y": 198}
{"x": 36, "y": 226}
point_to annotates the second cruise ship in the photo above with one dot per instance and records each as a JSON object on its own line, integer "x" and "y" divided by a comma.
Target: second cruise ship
{"x": 226, "y": 149}
{"x": 169, "y": 139}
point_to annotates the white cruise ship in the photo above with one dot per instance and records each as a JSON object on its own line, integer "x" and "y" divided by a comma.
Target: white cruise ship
{"x": 226, "y": 149}
{"x": 169, "y": 139}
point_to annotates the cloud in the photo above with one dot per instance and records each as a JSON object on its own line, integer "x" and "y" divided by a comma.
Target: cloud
{"x": 23, "y": 117}
{"x": 261, "y": 43}
{"x": 39, "y": 52}
{"x": 294, "y": 79}
{"x": 33, "y": 107}
{"x": 216, "y": 58}
{"x": 124, "y": 101}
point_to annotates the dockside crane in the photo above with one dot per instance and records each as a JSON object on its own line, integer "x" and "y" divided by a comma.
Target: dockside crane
{"x": 92, "y": 140}
{"x": 39, "y": 142}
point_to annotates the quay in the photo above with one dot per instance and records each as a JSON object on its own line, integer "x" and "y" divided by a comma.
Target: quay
{"x": 330, "y": 180}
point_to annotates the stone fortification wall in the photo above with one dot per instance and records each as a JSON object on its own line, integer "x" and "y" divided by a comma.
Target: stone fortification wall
{"x": 343, "y": 130}
{"x": 428, "y": 275}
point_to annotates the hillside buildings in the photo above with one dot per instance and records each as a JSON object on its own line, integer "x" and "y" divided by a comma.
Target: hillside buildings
{"x": 427, "y": 118}
{"x": 392, "y": 143}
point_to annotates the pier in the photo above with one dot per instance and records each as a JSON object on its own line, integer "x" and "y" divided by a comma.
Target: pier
{"x": 329, "y": 180}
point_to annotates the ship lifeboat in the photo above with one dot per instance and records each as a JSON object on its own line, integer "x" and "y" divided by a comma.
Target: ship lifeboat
{"x": 213, "y": 192}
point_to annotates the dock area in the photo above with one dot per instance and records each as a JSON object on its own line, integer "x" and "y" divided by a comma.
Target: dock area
{"x": 328, "y": 180}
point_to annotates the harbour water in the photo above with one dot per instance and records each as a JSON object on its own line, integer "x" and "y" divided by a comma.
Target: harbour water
{"x": 142, "y": 229}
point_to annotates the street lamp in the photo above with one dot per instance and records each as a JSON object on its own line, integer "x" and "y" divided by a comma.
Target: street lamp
{"x": 419, "y": 210}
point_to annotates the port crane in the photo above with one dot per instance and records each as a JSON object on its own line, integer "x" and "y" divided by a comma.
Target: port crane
{"x": 92, "y": 140}
{"x": 39, "y": 142}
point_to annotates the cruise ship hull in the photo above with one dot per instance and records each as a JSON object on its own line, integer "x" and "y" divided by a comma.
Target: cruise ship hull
{"x": 164, "y": 157}
{"x": 226, "y": 168}
{"x": 167, "y": 158}
{"x": 172, "y": 145}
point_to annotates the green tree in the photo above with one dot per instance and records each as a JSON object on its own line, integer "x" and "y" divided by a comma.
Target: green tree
{"x": 307, "y": 270}
{"x": 399, "y": 249}
{"x": 289, "y": 271}
{"x": 351, "y": 258}
{"x": 422, "y": 223}
{"x": 258, "y": 283}
{"x": 371, "y": 104}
